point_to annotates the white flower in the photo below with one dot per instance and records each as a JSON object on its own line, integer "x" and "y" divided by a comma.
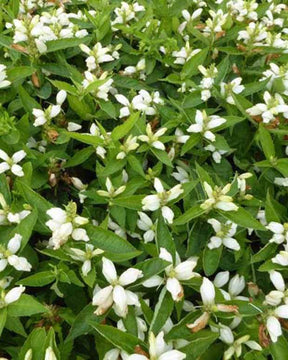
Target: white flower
{"x": 180, "y": 137}
{"x": 138, "y": 69}
{"x": 126, "y": 13}
{"x": 205, "y": 123}
{"x": 174, "y": 274}
{"x": 274, "y": 328}
{"x": 233, "y": 87}
{"x": 61, "y": 97}
{"x": 153, "y": 138}
{"x": 188, "y": 18}
{"x": 129, "y": 144}
{"x": 115, "y": 292}
{"x": 111, "y": 192}
{"x": 7, "y": 256}
{"x": 280, "y": 232}
{"x": 3, "y": 82}
{"x": 254, "y": 34}
{"x": 235, "y": 287}
{"x": 275, "y": 297}
{"x": 185, "y": 54}
{"x": 272, "y": 107}
{"x": 243, "y": 10}
{"x": 281, "y": 258}
{"x": 146, "y": 103}
{"x": 221, "y": 279}
{"x": 218, "y": 199}
{"x": 97, "y": 55}
{"x": 85, "y": 256}
{"x": 224, "y": 235}
{"x": 281, "y": 181}
{"x": 81, "y": 187}
{"x": 181, "y": 175}
{"x": 215, "y": 23}
{"x": 11, "y": 296}
{"x": 236, "y": 346}
{"x": 274, "y": 74}
{"x": 12, "y": 163}
{"x": 207, "y": 291}
{"x": 116, "y": 354}
{"x": 72, "y": 126}
{"x": 159, "y": 350}
{"x": 207, "y": 82}
{"x": 216, "y": 154}
{"x": 49, "y": 354}
{"x": 141, "y": 325}
{"x": 39, "y": 145}
{"x": 95, "y": 131}
{"x": 9, "y": 217}
{"x": 44, "y": 116}
{"x": 159, "y": 200}
{"x": 126, "y": 110}
{"x": 28, "y": 355}
{"x": 146, "y": 224}
{"x": 101, "y": 91}
{"x": 66, "y": 223}
{"x": 241, "y": 182}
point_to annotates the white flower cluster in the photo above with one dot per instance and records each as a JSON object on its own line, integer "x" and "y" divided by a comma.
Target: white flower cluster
{"x": 143, "y": 179}
{"x": 37, "y": 30}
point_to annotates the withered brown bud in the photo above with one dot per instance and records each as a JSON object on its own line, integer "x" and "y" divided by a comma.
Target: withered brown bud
{"x": 35, "y": 80}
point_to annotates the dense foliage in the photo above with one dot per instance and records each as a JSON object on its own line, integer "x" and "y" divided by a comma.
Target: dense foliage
{"x": 143, "y": 179}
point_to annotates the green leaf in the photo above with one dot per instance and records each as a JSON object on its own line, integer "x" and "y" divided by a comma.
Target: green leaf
{"x": 254, "y": 87}
{"x": 136, "y": 164}
{"x": 193, "y": 140}
{"x": 35, "y": 341}
{"x": 264, "y": 253}
{"x": 191, "y": 66}
{"x": 271, "y": 207}
{"x": 80, "y": 107}
{"x": 3, "y": 318}
{"x": 243, "y": 218}
{"x": 81, "y": 324}
{"x": 40, "y": 279}
{"x": 61, "y": 44}
{"x": 115, "y": 247}
{"x": 150, "y": 268}
{"x": 163, "y": 310}
{"x": 279, "y": 349}
{"x": 118, "y": 338}
{"x": 27, "y": 101}
{"x": 4, "y": 188}
{"x": 164, "y": 238}
{"x": 266, "y": 142}
{"x": 25, "y": 228}
{"x": 211, "y": 259}
{"x": 282, "y": 166}
{"x": 194, "y": 212}
{"x": 223, "y": 69}
{"x": 27, "y": 305}
{"x": 80, "y": 157}
{"x": 19, "y": 72}
{"x": 203, "y": 175}
{"x": 85, "y": 138}
{"x": 122, "y": 130}
{"x": 14, "y": 325}
{"x": 199, "y": 344}
{"x": 62, "y": 85}
{"x": 133, "y": 202}
{"x": 36, "y": 201}
{"x": 162, "y": 156}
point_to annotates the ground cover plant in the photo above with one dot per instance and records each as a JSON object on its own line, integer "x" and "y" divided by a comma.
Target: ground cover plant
{"x": 143, "y": 179}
